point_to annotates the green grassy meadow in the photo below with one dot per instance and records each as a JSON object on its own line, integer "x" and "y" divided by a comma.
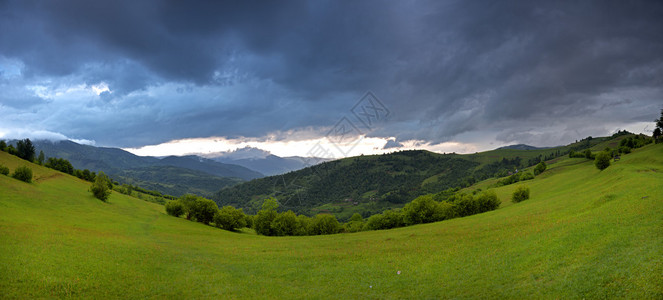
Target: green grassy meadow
{"x": 584, "y": 233}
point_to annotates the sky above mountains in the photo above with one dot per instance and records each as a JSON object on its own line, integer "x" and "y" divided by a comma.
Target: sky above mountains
{"x": 328, "y": 78}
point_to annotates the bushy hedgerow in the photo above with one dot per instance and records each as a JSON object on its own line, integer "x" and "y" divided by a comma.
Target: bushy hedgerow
{"x": 23, "y": 173}
{"x": 520, "y": 194}
{"x": 392, "y": 218}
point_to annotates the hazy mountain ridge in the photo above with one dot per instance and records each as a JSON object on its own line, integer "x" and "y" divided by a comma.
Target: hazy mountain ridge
{"x": 180, "y": 174}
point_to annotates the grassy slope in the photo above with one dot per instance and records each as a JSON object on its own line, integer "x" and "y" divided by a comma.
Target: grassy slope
{"x": 584, "y": 233}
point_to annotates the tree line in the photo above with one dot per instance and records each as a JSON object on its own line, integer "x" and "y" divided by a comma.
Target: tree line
{"x": 270, "y": 222}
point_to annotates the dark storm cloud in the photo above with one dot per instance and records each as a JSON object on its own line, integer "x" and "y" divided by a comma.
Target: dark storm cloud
{"x": 177, "y": 69}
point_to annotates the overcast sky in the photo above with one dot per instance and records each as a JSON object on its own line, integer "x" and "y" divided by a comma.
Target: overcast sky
{"x": 447, "y": 76}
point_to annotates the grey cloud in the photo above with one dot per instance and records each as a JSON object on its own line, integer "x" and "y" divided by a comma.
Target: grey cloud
{"x": 444, "y": 68}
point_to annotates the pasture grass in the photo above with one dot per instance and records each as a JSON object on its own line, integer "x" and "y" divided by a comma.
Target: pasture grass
{"x": 583, "y": 233}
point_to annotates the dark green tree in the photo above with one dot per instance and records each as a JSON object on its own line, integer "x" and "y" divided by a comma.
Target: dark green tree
{"x": 602, "y": 161}
{"x": 175, "y": 208}
{"x": 3, "y": 145}
{"x": 230, "y": 218}
{"x": 263, "y": 220}
{"x": 100, "y": 187}
{"x": 285, "y": 223}
{"x": 203, "y": 210}
{"x": 324, "y": 224}
{"x": 658, "y": 131}
{"x": 25, "y": 150}
{"x": 40, "y": 158}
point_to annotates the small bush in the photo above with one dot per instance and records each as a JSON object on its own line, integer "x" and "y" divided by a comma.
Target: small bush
{"x": 602, "y": 161}
{"x": 175, "y": 208}
{"x": 540, "y": 168}
{"x": 520, "y": 194}
{"x": 4, "y": 170}
{"x": 100, "y": 187}
{"x": 23, "y": 173}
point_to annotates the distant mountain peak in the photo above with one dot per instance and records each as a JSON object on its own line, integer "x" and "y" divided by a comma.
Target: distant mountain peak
{"x": 240, "y": 153}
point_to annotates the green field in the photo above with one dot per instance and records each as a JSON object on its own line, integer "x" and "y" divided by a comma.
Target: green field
{"x": 582, "y": 234}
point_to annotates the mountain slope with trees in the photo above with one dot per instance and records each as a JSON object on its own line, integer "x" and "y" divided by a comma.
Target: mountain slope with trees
{"x": 370, "y": 184}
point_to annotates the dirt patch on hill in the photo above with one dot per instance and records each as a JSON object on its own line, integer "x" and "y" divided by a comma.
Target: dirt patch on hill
{"x": 48, "y": 177}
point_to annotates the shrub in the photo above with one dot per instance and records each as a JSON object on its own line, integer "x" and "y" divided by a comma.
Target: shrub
{"x": 389, "y": 219}
{"x": 465, "y": 205}
{"x": 23, "y": 173}
{"x": 285, "y": 223}
{"x": 588, "y": 154}
{"x": 602, "y": 161}
{"x": 175, "y": 208}
{"x": 303, "y": 225}
{"x": 487, "y": 201}
{"x": 526, "y": 176}
{"x": 230, "y": 218}
{"x": 520, "y": 194}
{"x": 445, "y": 211}
{"x": 324, "y": 224}
{"x": 624, "y": 150}
{"x": 353, "y": 226}
{"x": 263, "y": 221}
{"x": 540, "y": 168}
{"x": 420, "y": 210}
{"x": 100, "y": 187}
{"x": 203, "y": 210}
{"x": 4, "y": 170}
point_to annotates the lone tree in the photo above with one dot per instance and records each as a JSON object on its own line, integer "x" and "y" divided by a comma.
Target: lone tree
{"x": 520, "y": 194}
{"x": 25, "y": 150}
{"x": 602, "y": 160}
{"x": 101, "y": 187}
{"x": 658, "y": 132}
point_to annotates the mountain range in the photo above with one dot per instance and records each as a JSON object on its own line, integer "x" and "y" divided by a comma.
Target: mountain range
{"x": 173, "y": 175}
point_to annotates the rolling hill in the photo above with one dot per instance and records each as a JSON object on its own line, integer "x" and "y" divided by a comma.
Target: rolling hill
{"x": 584, "y": 233}
{"x": 177, "y": 175}
{"x": 370, "y": 184}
